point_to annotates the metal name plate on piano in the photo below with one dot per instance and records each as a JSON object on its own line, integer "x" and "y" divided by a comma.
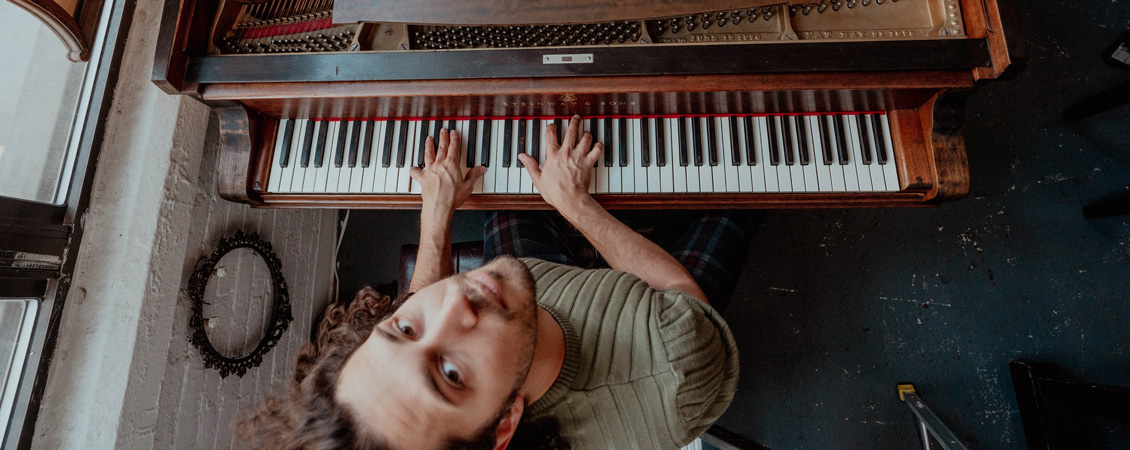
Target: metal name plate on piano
{"x": 780, "y": 153}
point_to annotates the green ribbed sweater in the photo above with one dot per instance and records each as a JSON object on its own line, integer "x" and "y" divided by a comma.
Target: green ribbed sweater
{"x": 644, "y": 369}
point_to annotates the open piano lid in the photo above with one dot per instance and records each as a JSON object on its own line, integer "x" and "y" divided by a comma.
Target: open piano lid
{"x": 528, "y": 12}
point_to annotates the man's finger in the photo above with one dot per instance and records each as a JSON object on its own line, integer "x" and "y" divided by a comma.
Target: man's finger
{"x": 594, "y": 154}
{"x": 550, "y": 140}
{"x": 454, "y": 146}
{"x": 475, "y": 173}
{"x": 574, "y": 130}
{"x": 417, "y": 174}
{"x": 582, "y": 148}
{"x": 429, "y": 151}
{"x": 441, "y": 149}
{"x": 531, "y": 167}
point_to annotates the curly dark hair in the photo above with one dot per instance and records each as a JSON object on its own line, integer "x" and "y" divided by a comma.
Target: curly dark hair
{"x": 311, "y": 419}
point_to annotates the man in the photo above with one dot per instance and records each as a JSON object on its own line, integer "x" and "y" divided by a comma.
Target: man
{"x": 627, "y": 357}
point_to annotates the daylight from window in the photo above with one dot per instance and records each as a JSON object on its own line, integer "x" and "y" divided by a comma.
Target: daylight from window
{"x": 39, "y": 91}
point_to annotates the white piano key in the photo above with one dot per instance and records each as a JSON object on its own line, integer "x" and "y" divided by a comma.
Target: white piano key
{"x": 890, "y": 169}
{"x": 479, "y": 185}
{"x": 784, "y": 171}
{"x": 514, "y": 183}
{"x": 277, "y": 163}
{"x": 615, "y": 173}
{"x": 369, "y": 175}
{"x": 357, "y": 172}
{"x": 667, "y": 172}
{"x": 287, "y": 175}
{"x": 863, "y": 175}
{"x": 586, "y": 126}
{"x": 344, "y": 172}
{"x": 635, "y": 154}
{"x": 489, "y": 178}
{"x": 726, "y": 154}
{"x": 337, "y": 128}
{"x": 835, "y": 170}
{"x": 316, "y": 176}
{"x": 815, "y": 161}
{"x": 772, "y": 181}
{"x": 706, "y": 171}
{"x": 694, "y": 183}
{"x": 304, "y": 176}
{"x": 322, "y": 173}
{"x": 501, "y": 174}
{"x": 878, "y": 179}
{"x": 796, "y": 171}
{"x": 678, "y": 172}
{"x": 654, "y": 172}
{"x": 524, "y": 173}
{"x": 405, "y": 185}
{"x": 744, "y": 171}
{"x": 816, "y": 145}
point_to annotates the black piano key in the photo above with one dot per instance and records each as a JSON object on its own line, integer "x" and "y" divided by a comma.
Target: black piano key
{"x": 696, "y": 135}
{"x": 307, "y": 144}
{"x": 787, "y": 139}
{"x": 288, "y": 136}
{"x": 386, "y": 155}
{"x": 660, "y": 142}
{"x": 451, "y": 125}
{"x": 841, "y": 140}
{"x": 422, "y": 147}
{"x": 320, "y": 148}
{"x": 521, "y": 140}
{"x": 751, "y": 143}
{"x": 712, "y": 140}
{"x": 402, "y": 145}
{"x": 826, "y": 140}
{"x": 486, "y": 145}
{"x": 645, "y": 142}
{"x": 536, "y": 137}
{"x": 802, "y": 141}
{"x": 735, "y": 148}
{"x": 593, "y": 122}
{"x": 560, "y": 131}
{"x": 342, "y": 138}
{"x": 864, "y": 142}
{"x": 622, "y": 146}
{"x": 367, "y": 144}
{"x": 880, "y": 143}
{"x": 472, "y": 141}
{"x": 507, "y": 141}
{"x": 684, "y": 147}
{"x": 354, "y": 142}
{"x": 609, "y": 146}
{"x": 774, "y": 142}
{"x": 437, "y": 127}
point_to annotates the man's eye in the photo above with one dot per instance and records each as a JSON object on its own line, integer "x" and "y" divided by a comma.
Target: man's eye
{"x": 404, "y": 327}
{"x": 451, "y": 373}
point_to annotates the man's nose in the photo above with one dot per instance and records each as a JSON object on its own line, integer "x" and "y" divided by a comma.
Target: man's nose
{"x": 457, "y": 314}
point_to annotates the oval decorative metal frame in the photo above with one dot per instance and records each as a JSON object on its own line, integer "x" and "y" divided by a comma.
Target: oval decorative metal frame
{"x": 280, "y": 315}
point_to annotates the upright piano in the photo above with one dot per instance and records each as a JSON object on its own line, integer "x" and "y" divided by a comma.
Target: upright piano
{"x": 814, "y": 103}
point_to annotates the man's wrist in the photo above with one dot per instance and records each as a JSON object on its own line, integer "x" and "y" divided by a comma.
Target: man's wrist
{"x": 576, "y": 207}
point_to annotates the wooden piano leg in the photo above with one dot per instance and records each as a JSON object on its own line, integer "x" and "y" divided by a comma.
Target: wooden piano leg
{"x": 243, "y": 133}
{"x": 943, "y": 126}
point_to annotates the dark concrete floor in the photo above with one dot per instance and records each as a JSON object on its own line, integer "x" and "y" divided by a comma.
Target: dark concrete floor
{"x": 837, "y": 306}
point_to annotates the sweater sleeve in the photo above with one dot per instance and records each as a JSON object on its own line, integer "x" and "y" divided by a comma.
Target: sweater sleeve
{"x": 703, "y": 357}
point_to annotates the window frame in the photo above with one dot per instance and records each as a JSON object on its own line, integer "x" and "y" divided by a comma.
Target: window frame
{"x": 57, "y": 230}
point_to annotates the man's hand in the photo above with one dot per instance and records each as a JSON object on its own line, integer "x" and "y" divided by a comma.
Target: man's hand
{"x": 565, "y": 175}
{"x": 443, "y": 185}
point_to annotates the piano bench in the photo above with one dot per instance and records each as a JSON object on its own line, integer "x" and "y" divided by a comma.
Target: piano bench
{"x": 464, "y": 256}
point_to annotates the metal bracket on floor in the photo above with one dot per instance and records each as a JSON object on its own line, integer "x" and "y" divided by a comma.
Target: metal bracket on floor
{"x": 930, "y": 427}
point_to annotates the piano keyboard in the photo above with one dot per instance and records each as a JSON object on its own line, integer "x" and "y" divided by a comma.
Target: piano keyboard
{"x": 783, "y": 153}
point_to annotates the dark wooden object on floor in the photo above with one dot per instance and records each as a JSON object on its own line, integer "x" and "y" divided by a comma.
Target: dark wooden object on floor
{"x": 1050, "y": 405}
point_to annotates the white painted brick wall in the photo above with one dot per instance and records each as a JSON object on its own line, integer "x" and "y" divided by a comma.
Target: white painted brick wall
{"x": 197, "y": 405}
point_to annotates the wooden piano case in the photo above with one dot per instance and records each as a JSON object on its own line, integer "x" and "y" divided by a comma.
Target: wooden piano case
{"x": 921, "y": 83}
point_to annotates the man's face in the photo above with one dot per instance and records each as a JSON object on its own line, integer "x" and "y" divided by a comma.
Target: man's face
{"x": 441, "y": 366}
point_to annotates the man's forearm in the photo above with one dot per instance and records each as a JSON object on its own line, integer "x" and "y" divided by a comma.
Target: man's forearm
{"x": 433, "y": 258}
{"x": 626, "y": 250}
